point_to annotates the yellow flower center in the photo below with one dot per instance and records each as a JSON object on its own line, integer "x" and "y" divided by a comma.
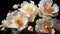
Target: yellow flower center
{"x": 47, "y": 9}
{"x": 28, "y": 9}
{"x": 45, "y": 26}
{"x": 18, "y": 20}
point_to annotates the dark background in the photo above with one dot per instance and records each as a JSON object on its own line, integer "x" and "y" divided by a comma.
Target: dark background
{"x": 6, "y": 5}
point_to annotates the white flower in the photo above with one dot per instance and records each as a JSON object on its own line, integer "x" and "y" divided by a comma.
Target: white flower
{"x": 44, "y": 25}
{"x": 30, "y": 28}
{"x": 30, "y": 10}
{"x": 46, "y": 8}
{"x": 16, "y": 20}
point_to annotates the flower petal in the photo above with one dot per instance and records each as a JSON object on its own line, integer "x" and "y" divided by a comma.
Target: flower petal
{"x": 30, "y": 28}
{"x": 55, "y": 8}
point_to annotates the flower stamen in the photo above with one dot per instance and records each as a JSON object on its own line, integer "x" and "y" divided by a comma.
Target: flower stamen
{"x": 47, "y": 9}
{"x": 28, "y": 9}
{"x": 18, "y": 20}
{"x": 45, "y": 26}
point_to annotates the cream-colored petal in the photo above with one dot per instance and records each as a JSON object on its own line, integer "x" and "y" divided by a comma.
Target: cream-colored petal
{"x": 21, "y": 10}
{"x": 54, "y": 14}
{"x": 32, "y": 2}
{"x": 40, "y": 5}
{"x": 24, "y": 3}
{"x": 46, "y": 2}
{"x": 32, "y": 17}
{"x": 40, "y": 14}
{"x": 52, "y": 22}
{"x": 37, "y": 21}
{"x": 13, "y": 25}
{"x": 43, "y": 31}
{"x": 21, "y": 28}
{"x": 15, "y": 6}
{"x": 47, "y": 17}
{"x": 15, "y": 13}
{"x": 52, "y": 31}
{"x": 55, "y": 8}
{"x": 28, "y": 15}
{"x": 5, "y": 22}
{"x": 3, "y": 28}
{"x": 30, "y": 28}
{"x": 37, "y": 28}
{"x": 9, "y": 17}
{"x": 49, "y": 2}
{"x": 25, "y": 20}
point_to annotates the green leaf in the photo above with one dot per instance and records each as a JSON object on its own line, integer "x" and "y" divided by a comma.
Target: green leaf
{"x": 14, "y": 31}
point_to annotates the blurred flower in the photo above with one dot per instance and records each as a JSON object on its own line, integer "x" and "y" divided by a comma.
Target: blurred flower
{"x": 16, "y": 20}
{"x": 30, "y": 28}
{"x": 46, "y": 9}
{"x": 44, "y": 25}
{"x": 26, "y": 13}
{"x": 30, "y": 10}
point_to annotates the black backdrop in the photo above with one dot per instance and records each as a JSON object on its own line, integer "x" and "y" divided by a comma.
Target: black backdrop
{"x": 6, "y": 5}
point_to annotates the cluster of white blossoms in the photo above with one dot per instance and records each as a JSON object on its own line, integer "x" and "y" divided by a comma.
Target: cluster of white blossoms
{"x": 27, "y": 13}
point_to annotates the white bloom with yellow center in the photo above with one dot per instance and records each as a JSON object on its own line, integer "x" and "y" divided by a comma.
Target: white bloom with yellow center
{"x": 46, "y": 8}
{"x": 16, "y": 20}
{"x": 44, "y": 25}
{"x": 29, "y": 9}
